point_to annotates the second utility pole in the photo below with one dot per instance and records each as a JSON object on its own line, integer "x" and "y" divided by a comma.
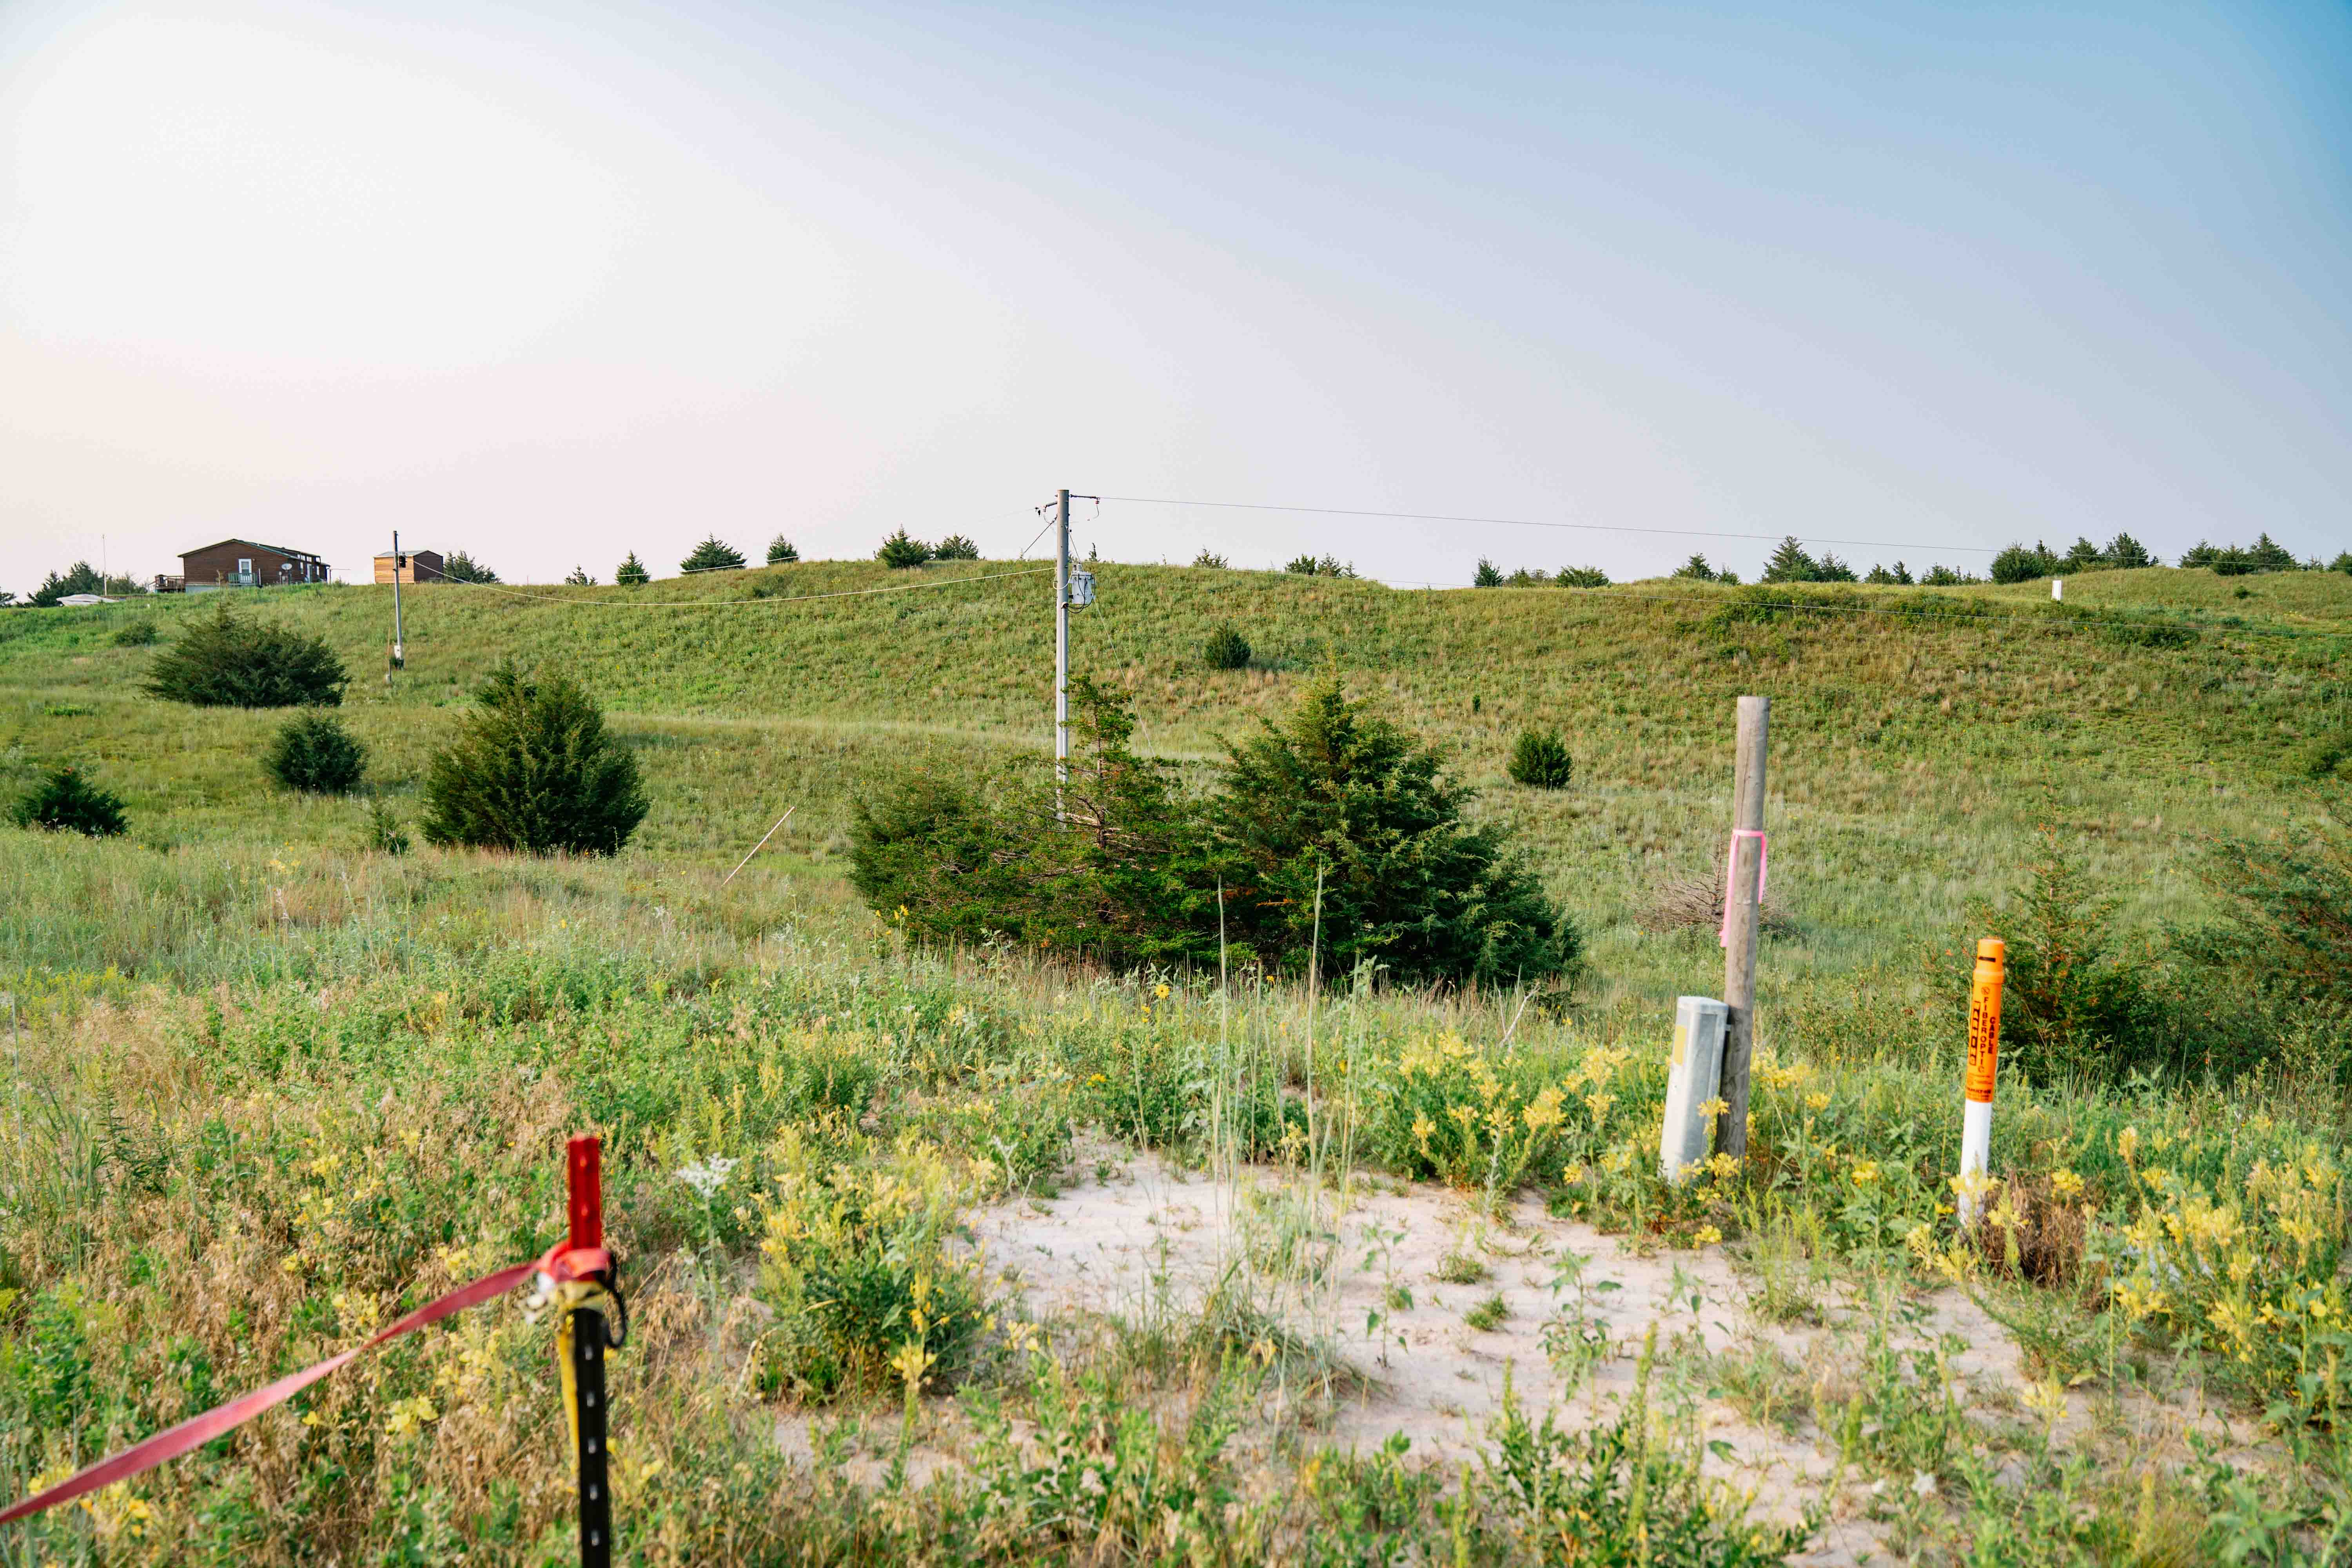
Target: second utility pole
{"x": 1061, "y": 645}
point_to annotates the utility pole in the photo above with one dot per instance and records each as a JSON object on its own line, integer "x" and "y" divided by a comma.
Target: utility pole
{"x": 1061, "y": 645}
{"x": 399, "y": 654}
{"x": 1743, "y": 890}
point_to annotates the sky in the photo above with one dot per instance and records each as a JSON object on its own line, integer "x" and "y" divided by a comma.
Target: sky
{"x": 552, "y": 282}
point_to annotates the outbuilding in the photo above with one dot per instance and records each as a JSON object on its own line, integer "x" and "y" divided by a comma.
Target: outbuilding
{"x": 410, "y": 566}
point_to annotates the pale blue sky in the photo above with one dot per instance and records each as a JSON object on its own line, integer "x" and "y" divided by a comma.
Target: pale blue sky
{"x": 554, "y": 282}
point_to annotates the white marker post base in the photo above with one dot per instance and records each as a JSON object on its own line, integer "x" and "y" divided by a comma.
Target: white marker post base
{"x": 1975, "y": 1149}
{"x": 1693, "y": 1078}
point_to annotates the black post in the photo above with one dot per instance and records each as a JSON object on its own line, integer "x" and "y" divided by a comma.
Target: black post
{"x": 595, "y": 1490}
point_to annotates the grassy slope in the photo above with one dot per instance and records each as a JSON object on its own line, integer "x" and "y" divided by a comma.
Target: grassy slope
{"x": 1910, "y": 760}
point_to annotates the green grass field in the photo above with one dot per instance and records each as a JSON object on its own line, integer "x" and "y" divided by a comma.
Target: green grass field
{"x": 269, "y": 1088}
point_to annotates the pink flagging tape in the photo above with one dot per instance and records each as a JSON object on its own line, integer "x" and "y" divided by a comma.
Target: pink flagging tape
{"x": 198, "y": 1430}
{"x": 1731, "y": 865}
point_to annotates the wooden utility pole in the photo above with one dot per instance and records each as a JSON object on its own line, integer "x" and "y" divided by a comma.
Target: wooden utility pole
{"x": 1743, "y": 890}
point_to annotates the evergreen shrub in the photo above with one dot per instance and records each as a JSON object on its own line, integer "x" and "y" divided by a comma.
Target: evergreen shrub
{"x": 533, "y": 770}
{"x": 314, "y": 753}
{"x": 225, "y": 659}
{"x": 1227, "y": 650}
{"x": 65, "y": 801}
{"x": 1540, "y": 760}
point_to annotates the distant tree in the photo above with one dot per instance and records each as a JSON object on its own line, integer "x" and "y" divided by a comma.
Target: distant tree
{"x": 1227, "y": 650}
{"x": 2265, "y": 554}
{"x": 579, "y": 578}
{"x": 2126, "y": 554}
{"x": 2343, "y": 562}
{"x": 533, "y": 770}
{"x": 899, "y": 552}
{"x": 64, "y": 801}
{"x": 1540, "y": 761}
{"x": 1942, "y": 576}
{"x": 1696, "y": 570}
{"x": 227, "y": 660}
{"x": 2198, "y": 554}
{"x": 781, "y": 550}
{"x": 1830, "y": 569}
{"x": 1487, "y": 577}
{"x": 314, "y": 753}
{"x": 7, "y": 599}
{"x": 1582, "y": 577}
{"x": 1211, "y": 558}
{"x": 632, "y": 573}
{"x": 2084, "y": 556}
{"x": 2020, "y": 563}
{"x": 955, "y": 547}
{"x": 713, "y": 554}
{"x": 460, "y": 567}
{"x": 1322, "y": 566}
{"x": 1524, "y": 578}
{"x": 1730, "y": 577}
{"x": 1899, "y": 577}
{"x": 82, "y": 579}
{"x": 1789, "y": 563}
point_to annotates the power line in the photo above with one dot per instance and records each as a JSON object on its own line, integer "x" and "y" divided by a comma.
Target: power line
{"x": 721, "y": 603}
{"x": 1531, "y": 522}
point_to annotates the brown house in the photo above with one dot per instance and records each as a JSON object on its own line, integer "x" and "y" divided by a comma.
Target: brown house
{"x": 410, "y": 566}
{"x": 241, "y": 564}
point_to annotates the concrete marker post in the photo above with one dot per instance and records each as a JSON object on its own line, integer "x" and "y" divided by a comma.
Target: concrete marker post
{"x": 1694, "y": 1075}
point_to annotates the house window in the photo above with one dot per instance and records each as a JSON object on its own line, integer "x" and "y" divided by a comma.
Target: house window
{"x": 243, "y": 570}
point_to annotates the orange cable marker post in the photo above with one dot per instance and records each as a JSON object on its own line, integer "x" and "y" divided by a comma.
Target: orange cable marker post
{"x": 1984, "y": 1062}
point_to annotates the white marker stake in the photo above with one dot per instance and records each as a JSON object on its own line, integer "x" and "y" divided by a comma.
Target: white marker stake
{"x": 2058, "y": 587}
{"x": 1693, "y": 1078}
{"x": 1984, "y": 1059}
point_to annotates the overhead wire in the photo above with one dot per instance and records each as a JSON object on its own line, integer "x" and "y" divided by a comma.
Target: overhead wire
{"x": 765, "y": 599}
{"x": 1535, "y": 523}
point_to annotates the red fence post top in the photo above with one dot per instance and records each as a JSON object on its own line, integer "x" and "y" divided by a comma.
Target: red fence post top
{"x": 584, "y": 1174}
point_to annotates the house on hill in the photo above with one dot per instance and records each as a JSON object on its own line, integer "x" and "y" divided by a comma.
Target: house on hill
{"x": 242, "y": 564}
{"x": 410, "y": 566}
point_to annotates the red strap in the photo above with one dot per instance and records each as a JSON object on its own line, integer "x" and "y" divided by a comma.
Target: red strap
{"x": 198, "y": 1430}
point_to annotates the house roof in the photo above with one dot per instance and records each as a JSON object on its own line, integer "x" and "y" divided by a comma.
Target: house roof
{"x": 250, "y": 544}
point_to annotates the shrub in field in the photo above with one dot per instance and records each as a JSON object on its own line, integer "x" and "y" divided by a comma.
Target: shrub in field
{"x": 632, "y": 573}
{"x": 2075, "y": 1009}
{"x": 955, "y": 547}
{"x": 1582, "y": 577}
{"x": 65, "y": 801}
{"x": 1696, "y": 570}
{"x": 856, "y": 1260}
{"x": 1116, "y": 873}
{"x": 460, "y": 567}
{"x": 781, "y": 550}
{"x": 899, "y": 552}
{"x": 139, "y": 633}
{"x": 1334, "y": 805}
{"x": 1211, "y": 558}
{"x": 384, "y": 834}
{"x": 1488, "y": 575}
{"x": 1540, "y": 760}
{"x": 1340, "y": 819}
{"x": 713, "y": 554}
{"x": 2288, "y": 935}
{"x": 578, "y": 578}
{"x": 1226, "y": 649}
{"x": 1790, "y": 562}
{"x": 314, "y": 753}
{"x": 533, "y": 770}
{"x": 225, "y": 659}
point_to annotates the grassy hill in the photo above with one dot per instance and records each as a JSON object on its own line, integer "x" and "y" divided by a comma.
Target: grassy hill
{"x": 1919, "y": 737}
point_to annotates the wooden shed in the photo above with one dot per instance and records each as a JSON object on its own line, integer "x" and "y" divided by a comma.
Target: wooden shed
{"x": 410, "y": 566}
{"x": 242, "y": 564}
